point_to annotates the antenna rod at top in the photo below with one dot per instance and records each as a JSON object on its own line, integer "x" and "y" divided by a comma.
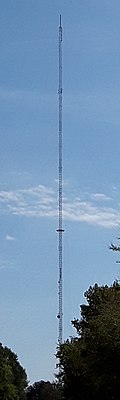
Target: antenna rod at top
{"x": 60, "y": 21}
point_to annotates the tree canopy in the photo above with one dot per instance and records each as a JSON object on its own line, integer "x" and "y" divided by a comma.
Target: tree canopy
{"x": 13, "y": 378}
{"x": 43, "y": 391}
{"x": 90, "y": 362}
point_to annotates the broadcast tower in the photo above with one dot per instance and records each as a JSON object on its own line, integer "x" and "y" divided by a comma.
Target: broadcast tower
{"x": 60, "y": 229}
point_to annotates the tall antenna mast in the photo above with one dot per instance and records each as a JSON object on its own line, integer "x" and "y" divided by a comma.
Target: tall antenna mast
{"x": 60, "y": 229}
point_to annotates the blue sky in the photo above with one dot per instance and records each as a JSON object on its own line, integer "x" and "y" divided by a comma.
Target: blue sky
{"x": 29, "y": 172}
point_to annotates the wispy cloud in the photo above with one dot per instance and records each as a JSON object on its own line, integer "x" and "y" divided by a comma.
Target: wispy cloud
{"x": 10, "y": 238}
{"x": 27, "y": 98}
{"x": 85, "y": 211}
{"x": 4, "y": 266}
{"x": 41, "y": 201}
{"x": 37, "y": 201}
{"x": 100, "y": 197}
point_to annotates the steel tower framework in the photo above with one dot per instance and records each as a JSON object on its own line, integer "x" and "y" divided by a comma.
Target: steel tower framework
{"x": 60, "y": 229}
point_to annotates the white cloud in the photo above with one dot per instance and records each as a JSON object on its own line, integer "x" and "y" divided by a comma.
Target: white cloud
{"x": 34, "y": 201}
{"x": 100, "y": 197}
{"x": 42, "y": 201}
{"x": 10, "y": 238}
{"x": 87, "y": 212}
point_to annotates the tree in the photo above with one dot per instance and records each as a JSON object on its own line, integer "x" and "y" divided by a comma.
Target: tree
{"x": 13, "y": 378}
{"x": 43, "y": 391}
{"x": 90, "y": 362}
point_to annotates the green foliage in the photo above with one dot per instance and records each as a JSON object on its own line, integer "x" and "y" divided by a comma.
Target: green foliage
{"x": 43, "y": 391}
{"x": 91, "y": 362}
{"x": 13, "y": 378}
